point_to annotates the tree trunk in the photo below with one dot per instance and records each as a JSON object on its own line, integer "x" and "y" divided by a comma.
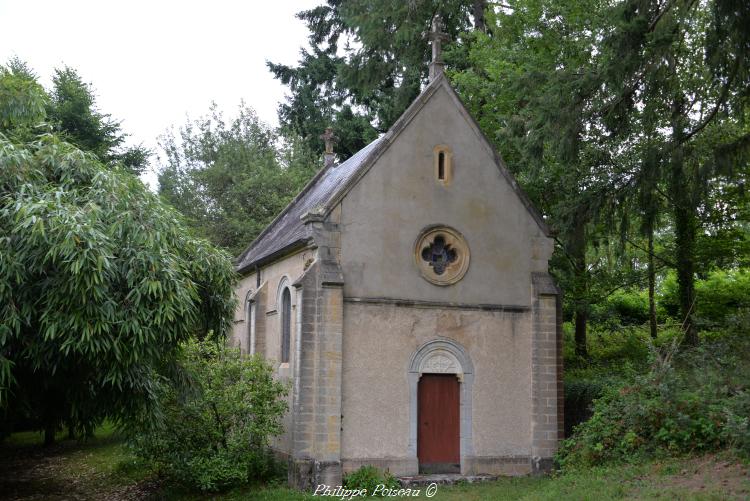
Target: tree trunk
{"x": 685, "y": 247}
{"x": 580, "y": 283}
{"x": 684, "y": 208}
{"x": 581, "y": 317}
{"x": 651, "y": 283}
{"x": 478, "y": 11}
{"x": 684, "y": 221}
{"x": 49, "y": 434}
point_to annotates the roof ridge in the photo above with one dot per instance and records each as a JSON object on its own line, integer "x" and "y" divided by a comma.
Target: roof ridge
{"x": 327, "y": 174}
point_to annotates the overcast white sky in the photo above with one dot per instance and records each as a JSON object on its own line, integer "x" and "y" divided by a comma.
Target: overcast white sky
{"x": 154, "y": 62}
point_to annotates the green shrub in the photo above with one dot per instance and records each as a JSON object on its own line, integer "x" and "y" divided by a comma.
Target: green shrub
{"x": 690, "y": 401}
{"x": 369, "y": 477}
{"x": 609, "y": 351}
{"x": 719, "y": 296}
{"x": 615, "y": 358}
{"x": 214, "y": 431}
{"x": 580, "y": 395}
{"x": 622, "y": 308}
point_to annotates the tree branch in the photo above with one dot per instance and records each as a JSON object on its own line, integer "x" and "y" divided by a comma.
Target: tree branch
{"x": 665, "y": 261}
{"x": 565, "y": 252}
{"x": 652, "y": 25}
{"x": 221, "y": 425}
{"x": 665, "y": 195}
{"x": 722, "y": 98}
{"x": 626, "y": 284}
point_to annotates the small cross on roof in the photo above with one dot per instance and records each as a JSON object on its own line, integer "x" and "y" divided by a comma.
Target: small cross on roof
{"x": 437, "y": 37}
{"x": 329, "y": 138}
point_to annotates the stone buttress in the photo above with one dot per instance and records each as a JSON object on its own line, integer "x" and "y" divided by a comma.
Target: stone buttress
{"x": 316, "y": 434}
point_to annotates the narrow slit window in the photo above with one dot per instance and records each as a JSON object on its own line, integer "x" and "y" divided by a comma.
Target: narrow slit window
{"x": 443, "y": 168}
{"x": 250, "y": 321}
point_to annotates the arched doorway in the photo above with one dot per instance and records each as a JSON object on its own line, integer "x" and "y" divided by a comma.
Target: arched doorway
{"x": 440, "y": 378}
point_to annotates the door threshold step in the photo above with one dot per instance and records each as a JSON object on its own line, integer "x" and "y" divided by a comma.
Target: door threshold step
{"x": 443, "y": 479}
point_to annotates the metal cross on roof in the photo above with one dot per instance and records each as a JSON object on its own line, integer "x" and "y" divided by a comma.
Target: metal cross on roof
{"x": 437, "y": 37}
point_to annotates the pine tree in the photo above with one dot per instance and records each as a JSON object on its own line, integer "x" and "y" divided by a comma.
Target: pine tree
{"x": 367, "y": 64}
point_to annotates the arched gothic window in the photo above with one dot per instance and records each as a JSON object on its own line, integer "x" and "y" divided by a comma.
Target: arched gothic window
{"x": 286, "y": 324}
{"x": 250, "y": 319}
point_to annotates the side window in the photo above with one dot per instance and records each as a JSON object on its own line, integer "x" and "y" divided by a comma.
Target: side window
{"x": 286, "y": 324}
{"x": 250, "y": 321}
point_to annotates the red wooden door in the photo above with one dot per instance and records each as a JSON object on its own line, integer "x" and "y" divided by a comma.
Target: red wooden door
{"x": 438, "y": 445}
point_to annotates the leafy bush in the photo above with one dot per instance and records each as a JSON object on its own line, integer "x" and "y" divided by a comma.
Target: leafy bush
{"x": 694, "y": 400}
{"x": 580, "y": 395}
{"x": 214, "y": 430}
{"x": 720, "y": 296}
{"x": 622, "y": 307}
{"x": 615, "y": 358}
{"x": 369, "y": 477}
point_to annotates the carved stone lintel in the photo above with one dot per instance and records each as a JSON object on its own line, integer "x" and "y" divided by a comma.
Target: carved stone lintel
{"x": 441, "y": 362}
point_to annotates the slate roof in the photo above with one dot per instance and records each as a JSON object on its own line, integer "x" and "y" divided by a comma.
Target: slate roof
{"x": 288, "y": 230}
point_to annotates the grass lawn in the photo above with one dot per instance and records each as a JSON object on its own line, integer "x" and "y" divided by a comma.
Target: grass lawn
{"x": 102, "y": 468}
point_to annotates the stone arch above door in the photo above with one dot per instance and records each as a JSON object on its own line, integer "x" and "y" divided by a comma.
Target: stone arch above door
{"x": 442, "y": 356}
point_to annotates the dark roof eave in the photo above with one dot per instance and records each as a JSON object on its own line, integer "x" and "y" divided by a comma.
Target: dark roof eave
{"x": 292, "y": 248}
{"x": 275, "y": 220}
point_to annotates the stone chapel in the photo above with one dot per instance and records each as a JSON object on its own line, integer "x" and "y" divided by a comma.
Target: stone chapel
{"x": 405, "y": 297}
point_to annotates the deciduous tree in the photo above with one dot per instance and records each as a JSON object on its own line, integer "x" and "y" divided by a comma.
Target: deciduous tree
{"x": 230, "y": 179}
{"x": 99, "y": 283}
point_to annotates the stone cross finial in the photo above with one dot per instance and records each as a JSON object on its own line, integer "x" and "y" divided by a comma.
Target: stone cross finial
{"x": 437, "y": 37}
{"x": 329, "y": 138}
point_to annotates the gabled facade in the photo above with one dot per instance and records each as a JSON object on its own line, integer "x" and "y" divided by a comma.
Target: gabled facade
{"x": 405, "y": 296}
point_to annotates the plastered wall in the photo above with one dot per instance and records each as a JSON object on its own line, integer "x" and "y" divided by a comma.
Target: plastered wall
{"x": 378, "y": 343}
{"x": 382, "y": 216}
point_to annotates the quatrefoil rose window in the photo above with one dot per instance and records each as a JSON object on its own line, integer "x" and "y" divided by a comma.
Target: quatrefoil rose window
{"x": 442, "y": 256}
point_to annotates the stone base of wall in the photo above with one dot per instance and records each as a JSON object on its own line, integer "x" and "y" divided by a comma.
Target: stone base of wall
{"x": 395, "y": 466}
{"x": 473, "y": 465}
{"x": 307, "y": 474}
{"x": 497, "y": 465}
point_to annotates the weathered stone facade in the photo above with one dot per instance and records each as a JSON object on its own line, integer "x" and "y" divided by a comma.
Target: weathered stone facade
{"x": 367, "y": 323}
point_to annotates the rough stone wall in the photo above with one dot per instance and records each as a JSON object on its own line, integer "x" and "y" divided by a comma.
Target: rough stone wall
{"x": 316, "y": 456}
{"x": 261, "y": 299}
